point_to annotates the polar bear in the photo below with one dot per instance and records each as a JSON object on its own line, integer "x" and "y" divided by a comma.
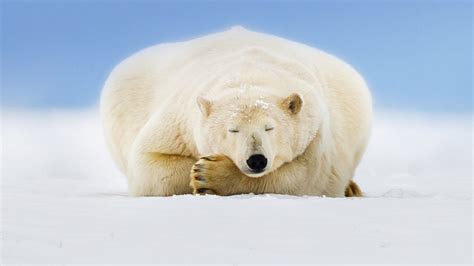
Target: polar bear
{"x": 236, "y": 112}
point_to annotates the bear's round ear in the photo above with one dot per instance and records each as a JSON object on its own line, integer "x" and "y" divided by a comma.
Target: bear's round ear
{"x": 293, "y": 103}
{"x": 205, "y": 105}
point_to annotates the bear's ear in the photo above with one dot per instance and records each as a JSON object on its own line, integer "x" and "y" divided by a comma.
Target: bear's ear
{"x": 293, "y": 103}
{"x": 204, "y": 105}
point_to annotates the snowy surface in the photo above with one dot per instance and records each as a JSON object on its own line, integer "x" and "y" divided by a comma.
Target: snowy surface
{"x": 63, "y": 201}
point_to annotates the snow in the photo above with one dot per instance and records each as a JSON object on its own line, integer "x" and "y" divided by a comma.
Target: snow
{"x": 262, "y": 104}
{"x": 63, "y": 201}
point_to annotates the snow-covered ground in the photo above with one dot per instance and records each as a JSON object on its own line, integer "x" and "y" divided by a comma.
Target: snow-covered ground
{"x": 63, "y": 201}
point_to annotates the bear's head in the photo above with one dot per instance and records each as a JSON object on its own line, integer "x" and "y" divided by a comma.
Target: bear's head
{"x": 257, "y": 132}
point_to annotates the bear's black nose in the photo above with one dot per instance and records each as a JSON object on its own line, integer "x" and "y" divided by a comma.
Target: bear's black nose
{"x": 257, "y": 162}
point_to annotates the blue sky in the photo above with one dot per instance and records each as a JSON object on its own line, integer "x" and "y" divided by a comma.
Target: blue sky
{"x": 415, "y": 55}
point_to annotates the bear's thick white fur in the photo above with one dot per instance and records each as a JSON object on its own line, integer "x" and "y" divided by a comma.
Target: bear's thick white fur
{"x": 168, "y": 105}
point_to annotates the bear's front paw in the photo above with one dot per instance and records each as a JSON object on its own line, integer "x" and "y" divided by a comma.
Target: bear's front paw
{"x": 213, "y": 174}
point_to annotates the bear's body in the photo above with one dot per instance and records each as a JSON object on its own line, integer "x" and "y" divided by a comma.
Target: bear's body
{"x": 156, "y": 130}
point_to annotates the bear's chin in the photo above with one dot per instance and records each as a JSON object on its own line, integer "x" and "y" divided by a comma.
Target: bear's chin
{"x": 253, "y": 174}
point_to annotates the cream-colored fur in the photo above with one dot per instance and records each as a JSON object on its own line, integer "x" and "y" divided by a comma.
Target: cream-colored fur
{"x": 308, "y": 112}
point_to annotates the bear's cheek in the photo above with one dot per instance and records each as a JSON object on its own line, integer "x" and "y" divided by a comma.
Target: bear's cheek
{"x": 283, "y": 146}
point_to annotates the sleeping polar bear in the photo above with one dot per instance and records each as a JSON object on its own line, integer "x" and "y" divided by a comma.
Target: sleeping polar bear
{"x": 236, "y": 112}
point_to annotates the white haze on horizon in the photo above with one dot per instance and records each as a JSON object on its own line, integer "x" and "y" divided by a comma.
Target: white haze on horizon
{"x": 64, "y": 144}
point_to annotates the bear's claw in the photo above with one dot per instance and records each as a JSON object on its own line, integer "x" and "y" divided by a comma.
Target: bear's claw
{"x": 198, "y": 177}
{"x": 353, "y": 190}
{"x": 203, "y": 191}
{"x": 199, "y": 183}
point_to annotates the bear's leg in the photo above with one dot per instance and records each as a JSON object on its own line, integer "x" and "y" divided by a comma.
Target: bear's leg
{"x": 157, "y": 174}
{"x": 353, "y": 190}
{"x": 217, "y": 174}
